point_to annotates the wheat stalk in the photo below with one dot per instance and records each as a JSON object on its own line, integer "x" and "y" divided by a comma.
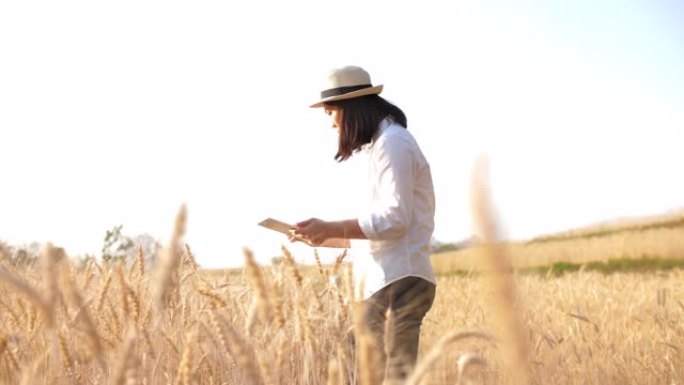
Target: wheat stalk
{"x": 334, "y": 375}
{"x": 26, "y": 289}
{"x": 83, "y": 315}
{"x": 139, "y": 266}
{"x": 102, "y": 295}
{"x": 165, "y": 288}
{"x": 438, "y": 351}
{"x": 51, "y": 256}
{"x": 184, "y": 373}
{"x": 67, "y": 358}
{"x": 258, "y": 283}
{"x": 321, "y": 270}
{"x": 215, "y": 300}
{"x": 242, "y": 352}
{"x": 292, "y": 265}
{"x": 6, "y": 351}
{"x": 500, "y": 277}
{"x": 125, "y": 363}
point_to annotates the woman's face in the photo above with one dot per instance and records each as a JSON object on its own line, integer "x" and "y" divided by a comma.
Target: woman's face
{"x": 336, "y": 116}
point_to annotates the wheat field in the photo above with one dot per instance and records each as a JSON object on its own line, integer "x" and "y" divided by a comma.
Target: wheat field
{"x": 665, "y": 243}
{"x": 91, "y": 322}
{"x": 98, "y": 324}
{"x": 65, "y": 321}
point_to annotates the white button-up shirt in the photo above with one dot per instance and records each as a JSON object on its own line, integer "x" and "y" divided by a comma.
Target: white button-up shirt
{"x": 400, "y": 219}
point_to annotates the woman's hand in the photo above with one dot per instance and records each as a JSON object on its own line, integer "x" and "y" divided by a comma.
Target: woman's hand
{"x": 312, "y": 231}
{"x": 317, "y": 232}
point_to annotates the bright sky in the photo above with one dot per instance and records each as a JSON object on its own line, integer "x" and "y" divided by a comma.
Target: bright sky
{"x": 119, "y": 112}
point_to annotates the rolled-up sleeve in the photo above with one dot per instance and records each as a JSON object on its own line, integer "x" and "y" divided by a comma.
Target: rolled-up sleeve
{"x": 392, "y": 170}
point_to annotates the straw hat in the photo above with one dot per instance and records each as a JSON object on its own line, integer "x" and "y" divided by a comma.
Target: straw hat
{"x": 347, "y": 83}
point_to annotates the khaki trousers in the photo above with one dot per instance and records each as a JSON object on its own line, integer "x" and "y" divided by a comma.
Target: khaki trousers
{"x": 393, "y": 317}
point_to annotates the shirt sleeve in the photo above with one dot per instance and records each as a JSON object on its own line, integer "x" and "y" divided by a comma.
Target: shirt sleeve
{"x": 393, "y": 173}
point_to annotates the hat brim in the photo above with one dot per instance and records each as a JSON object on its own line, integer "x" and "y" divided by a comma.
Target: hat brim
{"x": 349, "y": 95}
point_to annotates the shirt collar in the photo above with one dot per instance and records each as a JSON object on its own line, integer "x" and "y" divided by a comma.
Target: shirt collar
{"x": 381, "y": 128}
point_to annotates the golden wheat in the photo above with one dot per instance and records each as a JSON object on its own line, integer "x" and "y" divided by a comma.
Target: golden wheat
{"x": 266, "y": 325}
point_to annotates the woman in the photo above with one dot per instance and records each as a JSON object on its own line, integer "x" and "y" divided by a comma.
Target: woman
{"x": 397, "y": 274}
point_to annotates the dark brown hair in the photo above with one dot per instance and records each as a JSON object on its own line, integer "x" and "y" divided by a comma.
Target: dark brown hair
{"x": 361, "y": 118}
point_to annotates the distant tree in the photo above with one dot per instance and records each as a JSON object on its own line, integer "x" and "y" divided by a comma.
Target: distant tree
{"x": 5, "y": 251}
{"x": 21, "y": 257}
{"x": 33, "y": 250}
{"x": 150, "y": 247}
{"x": 441, "y": 247}
{"x": 24, "y": 255}
{"x": 118, "y": 246}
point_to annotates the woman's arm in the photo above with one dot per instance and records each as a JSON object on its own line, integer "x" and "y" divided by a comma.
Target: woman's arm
{"x": 340, "y": 243}
{"x": 327, "y": 233}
